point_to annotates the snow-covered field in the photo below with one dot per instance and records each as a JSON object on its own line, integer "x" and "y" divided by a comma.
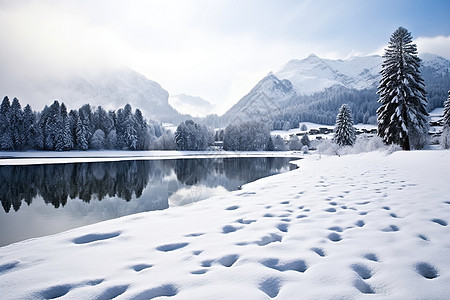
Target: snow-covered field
{"x": 350, "y": 227}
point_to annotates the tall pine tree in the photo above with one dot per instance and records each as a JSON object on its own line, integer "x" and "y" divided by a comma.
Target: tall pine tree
{"x": 344, "y": 132}
{"x": 402, "y": 114}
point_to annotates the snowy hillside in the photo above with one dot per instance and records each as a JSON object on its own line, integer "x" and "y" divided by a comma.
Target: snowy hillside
{"x": 350, "y": 227}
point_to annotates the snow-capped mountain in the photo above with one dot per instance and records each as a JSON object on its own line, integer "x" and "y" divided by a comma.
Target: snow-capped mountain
{"x": 326, "y": 83}
{"x": 195, "y": 106}
{"x": 111, "y": 89}
{"x": 263, "y": 99}
{"x": 314, "y": 74}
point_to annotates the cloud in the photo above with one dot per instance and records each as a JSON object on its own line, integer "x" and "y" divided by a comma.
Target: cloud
{"x": 439, "y": 45}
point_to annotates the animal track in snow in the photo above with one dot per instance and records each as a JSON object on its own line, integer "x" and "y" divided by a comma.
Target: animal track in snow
{"x": 393, "y": 215}
{"x": 330, "y": 210}
{"x": 94, "y": 237}
{"x": 386, "y": 208}
{"x": 426, "y": 270}
{"x": 268, "y": 215}
{"x": 285, "y": 202}
{"x": 171, "y": 247}
{"x": 301, "y": 216}
{"x": 440, "y": 222}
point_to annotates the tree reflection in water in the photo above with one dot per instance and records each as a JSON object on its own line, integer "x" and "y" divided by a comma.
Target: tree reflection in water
{"x": 125, "y": 179}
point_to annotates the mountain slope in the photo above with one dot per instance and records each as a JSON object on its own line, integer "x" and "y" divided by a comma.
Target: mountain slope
{"x": 318, "y": 87}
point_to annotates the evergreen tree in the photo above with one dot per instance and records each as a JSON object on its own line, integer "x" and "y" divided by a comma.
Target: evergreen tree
{"x": 294, "y": 143}
{"x": 80, "y": 134}
{"x": 16, "y": 125}
{"x": 305, "y": 140}
{"x": 344, "y": 132}
{"x": 278, "y": 143}
{"x": 29, "y": 123}
{"x": 402, "y": 113}
{"x": 6, "y": 142}
{"x": 66, "y": 132}
{"x": 445, "y": 137}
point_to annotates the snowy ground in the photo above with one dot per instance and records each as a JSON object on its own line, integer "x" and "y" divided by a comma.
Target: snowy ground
{"x": 54, "y": 157}
{"x": 350, "y": 227}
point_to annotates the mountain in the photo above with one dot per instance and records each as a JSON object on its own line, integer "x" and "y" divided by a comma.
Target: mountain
{"x": 314, "y": 74}
{"x": 187, "y": 104}
{"x": 313, "y": 89}
{"x": 111, "y": 89}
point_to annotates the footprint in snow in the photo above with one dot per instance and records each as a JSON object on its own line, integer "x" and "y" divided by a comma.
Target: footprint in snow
{"x": 112, "y": 292}
{"x": 246, "y": 222}
{"x": 171, "y": 247}
{"x": 234, "y": 207}
{"x": 440, "y": 222}
{"x": 330, "y": 210}
{"x": 371, "y": 256}
{"x": 283, "y": 227}
{"x": 8, "y": 267}
{"x": 268, "y": 239}
{"x": 336, "y": 228}
{"x": 334, "y": 237}
{"x": 426, "y": 270}
{"x": 319, "y": 251}
{"x": 390, "y": 228}
{"x": 140, "y": 267}
{"x": 270, "y": 286}
{"x": 362, "y": 270}
{"x": 94, "y": 237}
{"x": 165, "y": 290}
{"x": 230, "y": 228}
{"x": 298, "y": 265}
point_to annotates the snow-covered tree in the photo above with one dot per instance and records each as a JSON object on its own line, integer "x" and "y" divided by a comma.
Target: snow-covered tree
{"x": 98, "y": 140}
{"x": 303, "y": 127}
{"x": 278, "y": 143}
{"x": 344, "y": 132}
{"x": 6, "y": 141}
{"x": 246, "y": 136}
{"x": 192, "y": 136}
{"x": 81, "y": 135}
{"x": 445, "y": 137}
{"x": 402, "y": 113}
{"x": 305, "y": 140}
{"x": 294, "y": 143}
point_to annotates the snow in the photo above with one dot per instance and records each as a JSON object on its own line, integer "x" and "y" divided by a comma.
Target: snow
{"x": 337, "y": 227}
{"x": 53, "y": 157}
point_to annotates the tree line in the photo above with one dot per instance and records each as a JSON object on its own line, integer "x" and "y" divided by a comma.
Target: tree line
{"x": 57, "y": 129}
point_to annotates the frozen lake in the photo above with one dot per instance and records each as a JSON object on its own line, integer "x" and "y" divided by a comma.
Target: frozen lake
{"x": 39, "y": 200}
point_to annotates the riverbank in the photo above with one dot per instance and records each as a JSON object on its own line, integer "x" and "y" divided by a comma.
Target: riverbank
{"x": 336, "y": 227}
{"x": 55, "y": 157}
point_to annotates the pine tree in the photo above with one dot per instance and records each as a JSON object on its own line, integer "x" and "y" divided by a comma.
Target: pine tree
{"x": 6, "y": 142}
{"x": 445, "y": 137}
{"x": 344, "y": 132}
{"x": 402, "y": 113}
{"x": 305, "y": 140}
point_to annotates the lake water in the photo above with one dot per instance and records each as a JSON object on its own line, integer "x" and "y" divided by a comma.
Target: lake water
{"x": 40, "y": 200}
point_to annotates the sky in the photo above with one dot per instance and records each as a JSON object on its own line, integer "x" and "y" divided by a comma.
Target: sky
{"x": 217, "y": 50}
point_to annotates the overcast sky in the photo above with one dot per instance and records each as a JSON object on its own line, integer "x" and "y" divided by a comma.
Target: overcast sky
{"x": 214, "y": 49}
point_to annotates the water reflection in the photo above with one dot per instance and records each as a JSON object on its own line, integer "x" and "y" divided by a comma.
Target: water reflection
{"x": 93, "y": 192}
